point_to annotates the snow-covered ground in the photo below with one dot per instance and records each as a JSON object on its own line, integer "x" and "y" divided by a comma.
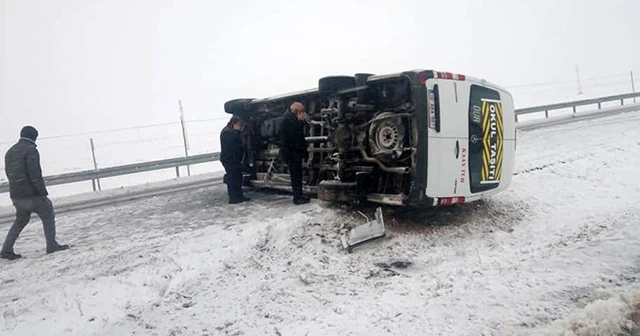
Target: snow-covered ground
{"x": 556, "y": 254}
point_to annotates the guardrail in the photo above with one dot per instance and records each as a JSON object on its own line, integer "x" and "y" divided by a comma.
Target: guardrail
{"x": 96, "y": 174}
{"x": 575, "y": 104}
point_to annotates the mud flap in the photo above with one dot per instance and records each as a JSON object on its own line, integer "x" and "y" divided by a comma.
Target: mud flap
{"x": 366, "y": 232}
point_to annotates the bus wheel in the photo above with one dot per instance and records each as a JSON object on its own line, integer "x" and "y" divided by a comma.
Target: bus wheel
{"x": 337, "y": 192}
{"x": 238, "y": 106}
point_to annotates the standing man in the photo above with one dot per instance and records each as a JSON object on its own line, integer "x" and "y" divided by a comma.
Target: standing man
{"x": 28, "y": 193}
{"x": 231, "y": 157}
{"x": 293, "y": 148}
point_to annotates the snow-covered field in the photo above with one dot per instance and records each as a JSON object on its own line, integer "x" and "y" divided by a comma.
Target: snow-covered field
{"x": 556, "y": 254}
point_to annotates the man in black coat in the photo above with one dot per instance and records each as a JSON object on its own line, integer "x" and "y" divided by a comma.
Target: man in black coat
{"x": 293, "y": 148}
{"x": 28, "y": 193}
{"x": 231, "y": 155}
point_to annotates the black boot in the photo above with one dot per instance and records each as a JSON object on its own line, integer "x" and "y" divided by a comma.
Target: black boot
{"x": 9, "y": 255}
{"x": 53, "y": 249}
{"x": 301, "y": 200}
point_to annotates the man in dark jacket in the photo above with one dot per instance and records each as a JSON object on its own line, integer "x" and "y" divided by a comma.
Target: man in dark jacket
{"x": 28, "y": 193}
{"x": 293, "y": 148}
{"x": 231, "y": 155}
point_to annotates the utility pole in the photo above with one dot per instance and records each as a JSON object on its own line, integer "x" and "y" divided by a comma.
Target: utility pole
{"x": 578, "y": 76}
{"x": 633, "y": 87}
{"x": 184, "y": 135}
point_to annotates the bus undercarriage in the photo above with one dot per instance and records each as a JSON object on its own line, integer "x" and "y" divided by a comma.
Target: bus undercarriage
{"x": 362, "y": 136}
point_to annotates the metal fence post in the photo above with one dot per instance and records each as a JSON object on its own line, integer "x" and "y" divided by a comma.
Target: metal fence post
{"x": 95, "y": 166}
{"x": 184, "y": 137}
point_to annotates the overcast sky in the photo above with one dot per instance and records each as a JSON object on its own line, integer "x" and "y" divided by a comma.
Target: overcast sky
{"x": 71, "y": 66}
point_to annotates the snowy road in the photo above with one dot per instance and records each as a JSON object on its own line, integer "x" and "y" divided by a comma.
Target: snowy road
{"x": 522, "y": 263}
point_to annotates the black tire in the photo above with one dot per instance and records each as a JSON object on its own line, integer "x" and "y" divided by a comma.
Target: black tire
{"x": 330, "y": 85}
{"x": 238, "y": 106}
{"x": 361, "y": 78}
{"x": 337, "y": 192}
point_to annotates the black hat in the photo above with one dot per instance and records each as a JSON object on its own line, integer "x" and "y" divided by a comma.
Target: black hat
{"x": 235, "y": 119}
{"x": 29, "y": 132}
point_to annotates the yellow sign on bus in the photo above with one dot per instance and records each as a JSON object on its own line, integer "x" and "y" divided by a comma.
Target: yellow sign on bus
{"x": 493, "y": 131}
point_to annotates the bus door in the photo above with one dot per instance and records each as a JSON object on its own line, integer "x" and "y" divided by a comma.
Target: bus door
{"x": 448, "y": 138}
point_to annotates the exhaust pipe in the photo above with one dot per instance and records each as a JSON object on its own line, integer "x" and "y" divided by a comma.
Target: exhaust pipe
{"x": 317, "y": 139}
{"x": 394, "y": 170}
